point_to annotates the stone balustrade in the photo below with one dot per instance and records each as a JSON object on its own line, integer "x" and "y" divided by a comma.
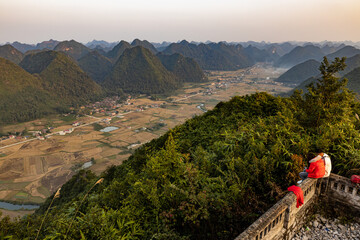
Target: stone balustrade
{"x": 283, "y": 220}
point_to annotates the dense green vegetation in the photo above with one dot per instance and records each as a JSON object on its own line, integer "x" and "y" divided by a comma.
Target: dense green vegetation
{"x": 118, "y": 50}
{"x": 140, "y": 71}
{"x": 96, "y": 66}
{"x": 22, "y": 96}
{"x": 184, "y": 68}
{"x": 62, "y": 77}
{"x": 10, "y": 53}
{"x": 53, "y": 83}
{"x": 212, "y": 176}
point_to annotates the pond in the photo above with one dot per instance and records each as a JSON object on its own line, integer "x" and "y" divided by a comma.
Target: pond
{"x": 10, "y": 206}
{"x": 108, "y": 129}
{"x": 87, "y": 165}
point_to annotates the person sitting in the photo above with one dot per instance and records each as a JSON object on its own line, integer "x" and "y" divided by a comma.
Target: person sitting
{"x": 327, "y": 162}
{"x": 316, "y": 169}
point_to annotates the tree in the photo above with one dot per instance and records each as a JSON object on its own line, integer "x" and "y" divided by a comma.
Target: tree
{"x": 328, "y": 99}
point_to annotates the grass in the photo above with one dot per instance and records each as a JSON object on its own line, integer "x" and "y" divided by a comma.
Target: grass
{"x": 213, "y": 100}
{"x": 89, "y": 145}
{"x": 12, "y": 185}
{"x": 6, "y": 181}
{"x": 36, "y": 200}
{"x": 125, "y": 152}
{"x": 106, "y": 134}
{"x": 104, "y": 144}
{"x": 101, "y": 145}
{"x": 97, "y": 127}
{"x": 21, "y": 195}
{"x": 44, "y": 191}
{"x": 2, "y": 155}
{"x": 173, "y": 107}
{"x": 69, "y": 118}
{"x": 112, "y": 156}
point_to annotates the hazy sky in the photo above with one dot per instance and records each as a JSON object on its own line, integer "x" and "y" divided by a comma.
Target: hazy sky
{"x": 34, "y": 21}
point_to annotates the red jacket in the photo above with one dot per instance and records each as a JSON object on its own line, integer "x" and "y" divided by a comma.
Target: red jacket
{"x": 316, "y": 169}
{"x": 299, "y": 195}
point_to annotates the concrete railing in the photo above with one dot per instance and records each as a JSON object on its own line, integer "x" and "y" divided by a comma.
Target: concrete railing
{"x": 342, "y": 191}
{"x": 283, "y": 220}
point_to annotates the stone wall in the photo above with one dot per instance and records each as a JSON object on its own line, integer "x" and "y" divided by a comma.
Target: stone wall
{"x": 283, "y": 220}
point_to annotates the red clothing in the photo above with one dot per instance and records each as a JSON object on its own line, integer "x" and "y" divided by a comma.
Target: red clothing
{"x": 316, "y": 169}
{"x": 299, "y": 195}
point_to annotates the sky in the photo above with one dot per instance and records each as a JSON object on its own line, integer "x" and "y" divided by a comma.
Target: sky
{"x": 32, "y": 21}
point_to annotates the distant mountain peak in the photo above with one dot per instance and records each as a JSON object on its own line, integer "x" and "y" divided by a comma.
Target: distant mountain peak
{"x": 145, "y": 44}
{"x": 74, "y": 49}
{"x": 11, "y": 53}
{"x": 184, "y": 42}
{"x": 138, "y": 70}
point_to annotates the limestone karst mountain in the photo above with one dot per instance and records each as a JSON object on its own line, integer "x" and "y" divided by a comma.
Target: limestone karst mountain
{"x": 10, "y": 53}
{"x": 300, "y": 72}
{"x": 185, "y": 69}
{"x": 145, "y": 44}
{"x": 62, "y": 77}
{"x": 213, "y": 56}
{"x": 116, "y": 52}
{"x": 95, "y": 65}
{"x": 299, "y": 55}
{"x": 140, "y": 71}
{"x": 72, "y": 48}
{"x": 22, "y": 96}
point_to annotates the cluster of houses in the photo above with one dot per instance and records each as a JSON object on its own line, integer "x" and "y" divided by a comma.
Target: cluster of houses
{"x": 107, "y": 104}
{"x": 107, "y": 120}
{"x": 141, "y": 108}
{"x": 16, "y": 137}
{"x": 67, "y": 131}
{"x": 39, "y": 134}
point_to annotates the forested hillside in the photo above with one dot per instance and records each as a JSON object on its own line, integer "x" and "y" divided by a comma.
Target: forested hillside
{"x": 96, "y": 66}
{"x": 10, "y": 53}
{"x": 300, "y": 72}
{"x": 116, "y": 52}
{"x": 347, "y": 51}
{"x": 210, "y": 177}
{"x": 22, "y": 96}
{"x": 62, "y": 77}
{"x": 184, "y": 68}
{"x": 145, "y": 44}
{"x": 140, "y": 71}
{"x": 354, "y": 81}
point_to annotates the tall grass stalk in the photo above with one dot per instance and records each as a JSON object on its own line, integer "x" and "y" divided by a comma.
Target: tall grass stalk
{"x": 78, "y": 208}
{"x": 57, "y": 194}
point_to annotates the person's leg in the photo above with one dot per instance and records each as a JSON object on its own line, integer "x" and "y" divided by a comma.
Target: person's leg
{"x": 303, "y": 175}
